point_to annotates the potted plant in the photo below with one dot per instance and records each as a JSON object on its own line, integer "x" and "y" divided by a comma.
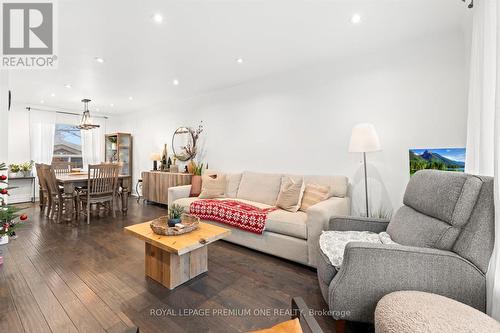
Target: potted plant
{"x": 26, "y": 168}
{"x": 174, "y": 214}
{"x": 15, "y": 171}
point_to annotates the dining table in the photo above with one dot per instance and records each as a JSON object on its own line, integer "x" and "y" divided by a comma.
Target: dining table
{"x": 71, "y": 181}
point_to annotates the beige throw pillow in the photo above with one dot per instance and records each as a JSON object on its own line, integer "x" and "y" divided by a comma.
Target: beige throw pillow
{"x": 212, "y": 186}
{"x": 313, "y": 194}
{"x": 290, "y": 194}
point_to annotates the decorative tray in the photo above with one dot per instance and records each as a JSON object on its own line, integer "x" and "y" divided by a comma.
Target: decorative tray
{"x": 160, "y": 225}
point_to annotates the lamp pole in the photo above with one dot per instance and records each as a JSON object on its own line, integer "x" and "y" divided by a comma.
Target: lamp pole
{"x": 366, "y": 184}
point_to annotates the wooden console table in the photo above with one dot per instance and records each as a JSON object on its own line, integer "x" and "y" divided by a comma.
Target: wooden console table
{"x": 155, "y": 184}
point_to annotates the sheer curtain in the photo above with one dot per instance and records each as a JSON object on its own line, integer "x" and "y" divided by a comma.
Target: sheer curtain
{"x": 483, "y": 145}
{"x": 42, "y": 129}
{"x": 93, "y": 143}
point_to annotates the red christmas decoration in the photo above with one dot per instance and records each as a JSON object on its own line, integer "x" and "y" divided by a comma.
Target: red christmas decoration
{"x": 3, "y": 177}
{"x": 4, "y": 191}
{"x": 23, "y": 217}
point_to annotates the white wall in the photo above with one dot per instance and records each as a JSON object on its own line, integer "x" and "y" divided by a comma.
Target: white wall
{"x": 300, "y": 121}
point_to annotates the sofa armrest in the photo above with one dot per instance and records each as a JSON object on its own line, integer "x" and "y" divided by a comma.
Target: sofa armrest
{"x": 318, "y": 218}
{"x": 354, "y": 223}
{"x": 370, "y": 271}
{"x": 178, "y": 192}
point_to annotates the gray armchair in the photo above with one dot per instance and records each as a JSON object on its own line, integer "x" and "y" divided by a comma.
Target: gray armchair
{"x": 446, "y": 233}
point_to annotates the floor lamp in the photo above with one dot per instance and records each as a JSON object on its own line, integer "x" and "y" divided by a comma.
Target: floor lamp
{"x": 364, "y": 139}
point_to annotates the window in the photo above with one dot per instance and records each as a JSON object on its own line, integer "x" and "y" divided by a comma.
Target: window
{"x": 68, "y": 145}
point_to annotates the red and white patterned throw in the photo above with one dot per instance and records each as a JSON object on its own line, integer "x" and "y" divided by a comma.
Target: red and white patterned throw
{"x": 234, "y": 213}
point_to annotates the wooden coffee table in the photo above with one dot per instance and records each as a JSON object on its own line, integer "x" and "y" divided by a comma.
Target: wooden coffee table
{"x": 173, "y": 260}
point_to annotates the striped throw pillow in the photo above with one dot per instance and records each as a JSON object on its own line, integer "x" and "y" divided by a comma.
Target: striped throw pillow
{"x": 313, "y": 194}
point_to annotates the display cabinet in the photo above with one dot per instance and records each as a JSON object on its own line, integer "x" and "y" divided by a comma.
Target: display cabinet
{"x": 119, "y": 150}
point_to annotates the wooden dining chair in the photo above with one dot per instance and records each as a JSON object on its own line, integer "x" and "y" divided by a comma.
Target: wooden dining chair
{"x": 44, "y": 198}
{"x": 56, "y": 193}
{"x": 63, "y": 167}
{"x": 102, "y": 183}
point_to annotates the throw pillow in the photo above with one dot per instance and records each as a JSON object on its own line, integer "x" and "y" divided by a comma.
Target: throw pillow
{"x": 213, "y": 186}
{"x": 290, "y": 194}
{"x": 313, "y": 194}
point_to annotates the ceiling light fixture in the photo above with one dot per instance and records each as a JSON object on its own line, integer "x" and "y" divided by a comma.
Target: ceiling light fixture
{"x": 130, "y": 98}
{"x": 42, "y": 101}
{"x": 68, "y": 86}
{"x": 99, "y": 60}
{"x": 157, "y": 18}
{"x": 356, "y": 18}
{"x": 175, "y": 82}
{"x": 86, "y": 122}
{"x": 111, "y": 105}
{"x": 52, "y": 95}
{"x": 239, "y": 60}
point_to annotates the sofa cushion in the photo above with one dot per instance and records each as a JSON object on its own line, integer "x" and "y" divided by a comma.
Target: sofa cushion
{"x": 290, "y": 196}
{"x": 447, "y": 196}
{"x": 259, "y": 187}
{"x": 412, "y": 228}
{"x": 287, "y": 223}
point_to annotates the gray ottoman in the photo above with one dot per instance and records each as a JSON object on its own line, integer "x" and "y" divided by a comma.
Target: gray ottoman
{"x": 414, "y": 312}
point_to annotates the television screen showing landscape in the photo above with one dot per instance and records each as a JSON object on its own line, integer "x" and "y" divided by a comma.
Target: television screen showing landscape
{"x": 447, "y": 159}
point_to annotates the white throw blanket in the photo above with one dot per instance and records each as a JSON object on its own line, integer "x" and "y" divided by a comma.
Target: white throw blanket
{"x": 333, "y": 243}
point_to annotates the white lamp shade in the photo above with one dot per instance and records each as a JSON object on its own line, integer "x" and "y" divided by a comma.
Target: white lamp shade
{"x": 364, "y": 139}
{"x": 155, "y": 157}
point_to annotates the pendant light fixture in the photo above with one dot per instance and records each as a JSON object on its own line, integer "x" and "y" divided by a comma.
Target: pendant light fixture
{"x": 85, "y": 123}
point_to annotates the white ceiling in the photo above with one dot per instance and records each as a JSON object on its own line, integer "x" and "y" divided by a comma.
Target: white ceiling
{"x": 198, "y": 43}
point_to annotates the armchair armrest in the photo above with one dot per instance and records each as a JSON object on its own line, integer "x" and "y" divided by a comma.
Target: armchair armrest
{"x": 318, "y": 218}
{"x": 370, "y": 271}
{"x": 178, "y": 192}
{"x": 354, "y": 223}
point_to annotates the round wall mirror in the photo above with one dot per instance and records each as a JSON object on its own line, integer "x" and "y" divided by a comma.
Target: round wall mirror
{"x": 184, "y": 144}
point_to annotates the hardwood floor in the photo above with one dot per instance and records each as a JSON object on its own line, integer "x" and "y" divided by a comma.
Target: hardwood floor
{"x": 90, "y": 278}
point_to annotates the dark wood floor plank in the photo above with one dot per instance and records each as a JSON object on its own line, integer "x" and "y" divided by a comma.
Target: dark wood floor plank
{"x": 27, "y": 308}
{"x": 52, "y": 310}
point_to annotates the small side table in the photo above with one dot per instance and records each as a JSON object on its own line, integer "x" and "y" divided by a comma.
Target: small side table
{"x": 33, "y": 184}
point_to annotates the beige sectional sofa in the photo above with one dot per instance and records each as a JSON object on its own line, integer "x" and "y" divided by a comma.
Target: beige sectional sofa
{"x": 293, "y": 236}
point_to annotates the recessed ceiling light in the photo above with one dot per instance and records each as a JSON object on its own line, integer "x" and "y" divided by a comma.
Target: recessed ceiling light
{"x": 130, "y": 98}
{"x": 52, "y": 95}
{"x": 111, "y": 105}
{"x": 239, "y": 60}
{"x": 68, "y": 86}
{"x": 97, "y": 109}
{"x": 157, "y": 18}
{"x": 175, "y": 82}
{"x": 42, "y": 101}
{"x": 356, "y": 18}
{"x": 99, "y": 60}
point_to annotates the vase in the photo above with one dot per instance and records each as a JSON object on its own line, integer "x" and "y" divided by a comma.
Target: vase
{"x": 18, "y": 174}
{"x": 4, "y": 239}
{"x": 27, "y": 173}
{"x": 195, "y": 186}
{"x": 173, "y": 222}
